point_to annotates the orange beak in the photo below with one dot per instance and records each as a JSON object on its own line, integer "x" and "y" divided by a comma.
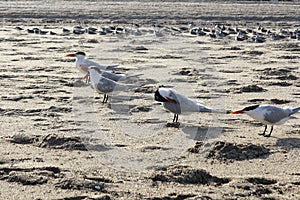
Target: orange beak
{"x": 171, "y": 100}
{"x": 237, "y": 112}
{"x": 71, "y": 55}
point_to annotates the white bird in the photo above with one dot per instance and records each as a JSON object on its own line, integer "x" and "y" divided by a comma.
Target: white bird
{"x": 180, "y": 104}
{"x": 83, "y": 63}
{"x": 269, "y": 115}
{"x": 105, "y": 85}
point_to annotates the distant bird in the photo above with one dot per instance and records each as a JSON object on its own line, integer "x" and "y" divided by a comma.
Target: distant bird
{"x": 105, "y": 85}
{"x": 194, "y": 31}
{"x": 30, "y": 31}
{"x": 19, "y": 28}
{"x": 201, "y": 33}
{"x": 42, "y": 32}
{"x": 213, "y": 35}
{"x": 36, "y": 30}
{"x": 102, "y": 32}
{"x": 65, "y": 30}
{"x": 258, "y": 39}
{"x": 82, "y": 62}
{"x": 180, "y": 104}
{"x": 249, "y": 30}
{"x": 206, "y": 30}
{"x": 262, "y": 29}
{"x": 78, "y": 30}
{"x": 91, "y": 30}
{"x": 241, "y": 36}
{"x": 269, "y": 115}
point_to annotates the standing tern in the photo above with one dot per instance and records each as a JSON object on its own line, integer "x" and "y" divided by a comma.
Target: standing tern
{"x": 269, "y": 115}
{"x": 180, "y": 104}
{"x": 106, "y": 85}
{"x": 83, "y": 63}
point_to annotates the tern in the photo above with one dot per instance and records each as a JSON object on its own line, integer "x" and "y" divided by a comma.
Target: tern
{"x": 180, "y": 104}
{"x": 106, "y": 85}
{"x": 83, "y": 63}
{"x": 269, "y": 115}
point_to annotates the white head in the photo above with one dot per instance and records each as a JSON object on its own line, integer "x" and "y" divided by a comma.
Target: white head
{"x": 248, "y": 110}
{"x": 78, "y": 55}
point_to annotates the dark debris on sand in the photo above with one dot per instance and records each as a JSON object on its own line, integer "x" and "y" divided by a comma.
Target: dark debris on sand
{"x": 78, "y": 184}
{"x": 280, "y": 101}
{"x": 230, "y": 151}
{"x": 187, "y": 72}
{"x": 26, "y": 178}
{"x": 252, "y": 88}
{"x": 187, "y": 175}
{"x": 60, "y": 142}
{"x": 282, "y": 84}
{"x": 29, "y": 176}
{"x": 23, "y": 139}
{"x": 262, "y": 181}
{"x": 174, "y": 196}
{"x": 280, "y": 74}
{"x": 50, "y": 141}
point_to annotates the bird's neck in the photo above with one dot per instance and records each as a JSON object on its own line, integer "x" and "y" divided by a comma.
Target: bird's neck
{"x": 79, "y": 61}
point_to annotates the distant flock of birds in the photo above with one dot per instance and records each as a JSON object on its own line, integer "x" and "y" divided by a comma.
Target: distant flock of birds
{"x": 106, "y": 83}
{"x": 257, "y": 35}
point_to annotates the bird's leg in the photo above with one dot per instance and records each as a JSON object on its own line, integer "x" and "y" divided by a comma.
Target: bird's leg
{"x": 175, "y": 124}
{"x": 270, "y": 132}
{"x": 87, "y": 80}
{"x": 264, "y": 131}
{"x": 104, "y": 99}
{"x": 174, "y": 118}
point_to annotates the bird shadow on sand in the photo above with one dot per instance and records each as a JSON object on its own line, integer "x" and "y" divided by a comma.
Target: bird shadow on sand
{"x": 288, "y": 142}
{"x": 201, "y": 133}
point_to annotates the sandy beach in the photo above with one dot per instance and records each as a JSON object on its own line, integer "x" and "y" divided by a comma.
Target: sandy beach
{"x": 59, "y": 141}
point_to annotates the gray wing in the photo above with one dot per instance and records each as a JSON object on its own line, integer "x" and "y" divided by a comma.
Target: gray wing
{"x": 171, "y": 106}
{"x": 188, "y": 105}
{"x": 88, "y": 63}
{"x": 275, "y": 114}
{"x": 112, "y": 76}
{"x": 183, "y": 104}
{"x": 106, "y": 85}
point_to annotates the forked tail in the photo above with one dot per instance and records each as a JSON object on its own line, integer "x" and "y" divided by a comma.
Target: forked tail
{"x": 295, "y": 110}
{"x": 209, "y": 110}
{"x": 111, "y": 66}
